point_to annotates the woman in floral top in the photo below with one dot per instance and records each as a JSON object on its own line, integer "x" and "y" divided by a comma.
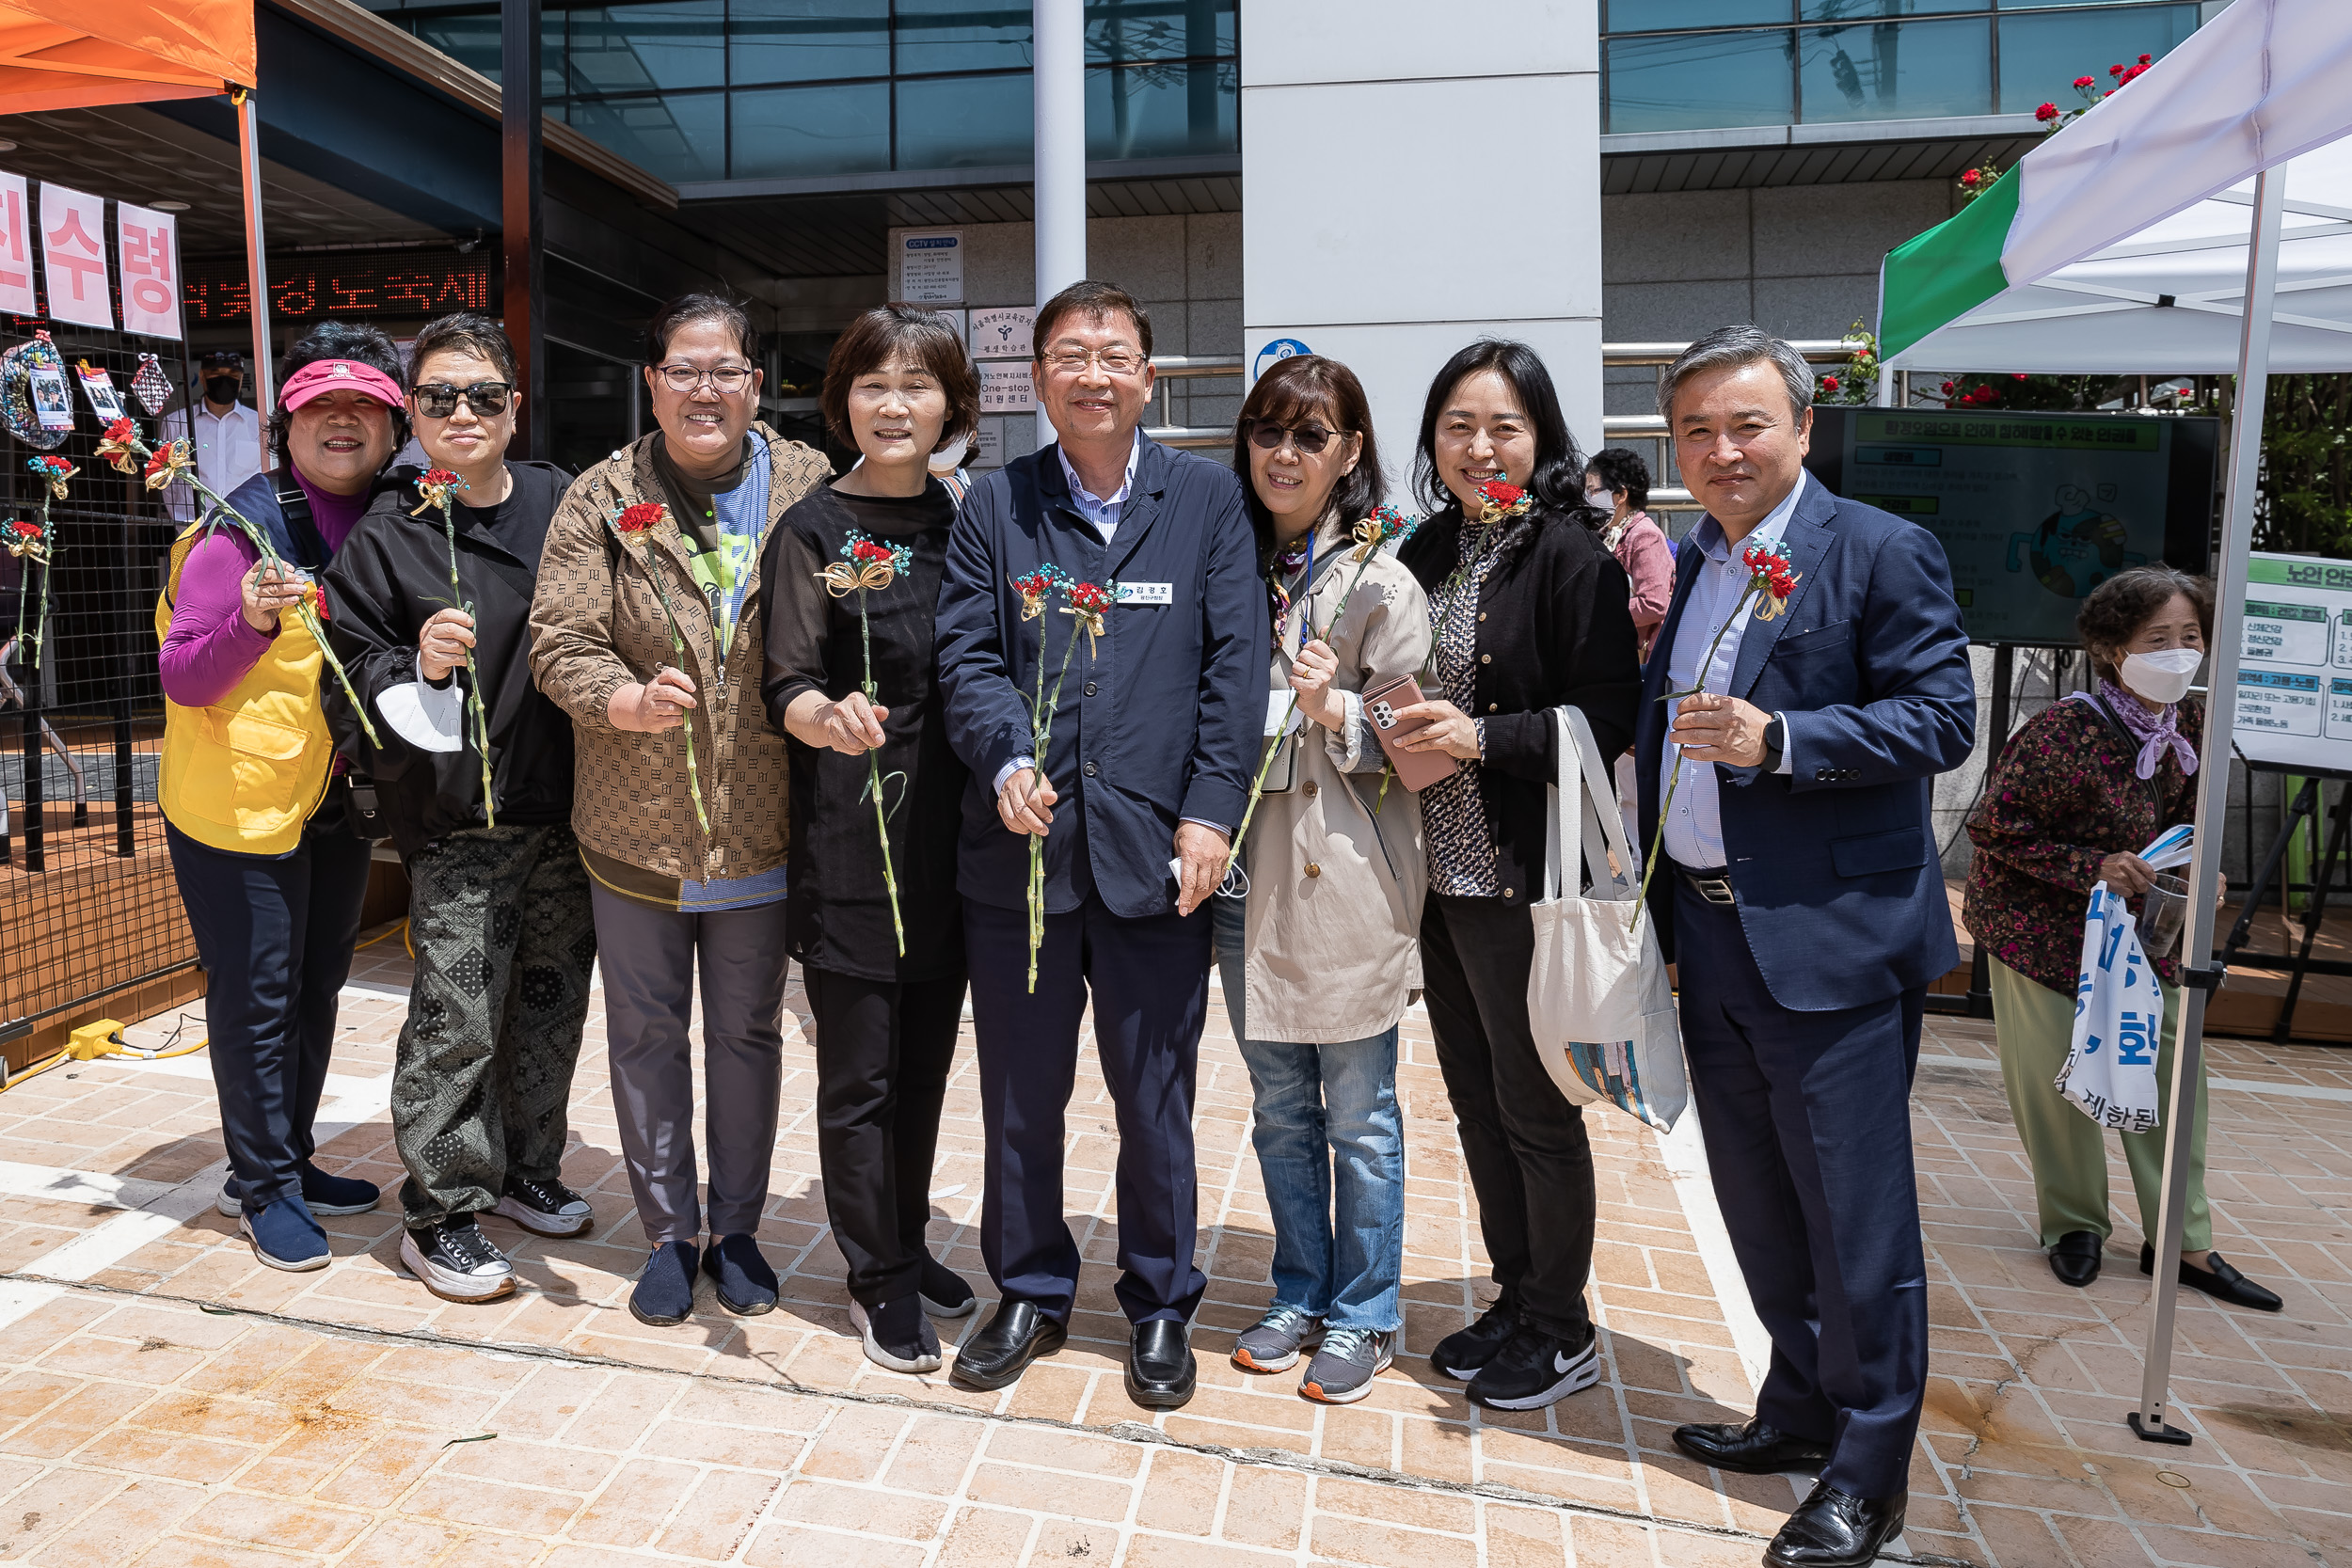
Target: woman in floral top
{"x": 2077, "y": 790}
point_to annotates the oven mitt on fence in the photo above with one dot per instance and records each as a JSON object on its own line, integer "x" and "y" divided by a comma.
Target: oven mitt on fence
{"x": 2110, "y": 1073}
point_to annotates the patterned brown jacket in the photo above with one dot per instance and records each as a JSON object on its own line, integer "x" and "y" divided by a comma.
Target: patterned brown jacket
{"x": 597, "y": 626}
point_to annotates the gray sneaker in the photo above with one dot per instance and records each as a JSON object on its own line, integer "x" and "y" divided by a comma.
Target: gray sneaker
{"x": 1274, "y": 1344}
{"x": 1342, "y": 1370}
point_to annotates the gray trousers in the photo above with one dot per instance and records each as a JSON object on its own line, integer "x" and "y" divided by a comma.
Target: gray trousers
{"x": 650, "y": 959}
{"x": 498, "y": 918}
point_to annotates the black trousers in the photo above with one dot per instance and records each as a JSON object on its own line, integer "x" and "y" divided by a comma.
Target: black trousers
{"x": 1149, "y": 981}
{"x": 275, "y": 939}
{"x": 884, "y": 1051}
{"x": 1530, "y": 1163}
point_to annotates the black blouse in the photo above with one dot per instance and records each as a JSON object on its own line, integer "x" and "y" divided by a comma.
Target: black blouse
{"x": 837, "y": 910}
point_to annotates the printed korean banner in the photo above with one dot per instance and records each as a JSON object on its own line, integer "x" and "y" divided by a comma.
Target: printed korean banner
{"x": 16, "y": 247}
{"x": 73, "y": 256}
{"x": 146, "y": 250}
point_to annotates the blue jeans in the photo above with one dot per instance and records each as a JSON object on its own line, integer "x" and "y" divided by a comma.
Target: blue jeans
{"x": 1331, "y": 1147}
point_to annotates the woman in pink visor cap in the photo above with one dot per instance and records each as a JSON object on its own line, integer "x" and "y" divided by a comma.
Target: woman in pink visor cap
{"x": 256, "y": 811}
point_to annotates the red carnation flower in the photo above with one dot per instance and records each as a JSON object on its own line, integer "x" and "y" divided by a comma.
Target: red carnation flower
{"x": 25, "y": 531}
{"x": 121, "y": 430}
{"x": 2085, "y": 81}
{"x": 2115, "y": 71}
{"x": 2145, "y": 59}
{"x": 636, "y": 519}
{"x": 866, "y": 549}
{"x": 1090, "y": 597}
{"x": 318, "y": 602}
{"x": 2046, "y": 113}
{"x": 1501, "y": 494}
{"x": 1035, "y": 585}
{"x": 55, "y": 465}
{"x": 440, "y": 476}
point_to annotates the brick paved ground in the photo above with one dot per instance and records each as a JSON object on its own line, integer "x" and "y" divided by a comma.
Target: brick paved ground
{"x": 166, "y": 1400}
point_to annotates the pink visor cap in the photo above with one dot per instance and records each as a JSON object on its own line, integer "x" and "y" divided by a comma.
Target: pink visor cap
{"x": 320, "y": 376}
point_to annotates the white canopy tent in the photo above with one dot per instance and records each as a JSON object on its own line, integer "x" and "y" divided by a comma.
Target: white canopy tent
{"x": 2198, "y": 221}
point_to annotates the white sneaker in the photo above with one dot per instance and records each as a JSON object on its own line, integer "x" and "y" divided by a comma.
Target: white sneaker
{"x": 457, "y": 1262}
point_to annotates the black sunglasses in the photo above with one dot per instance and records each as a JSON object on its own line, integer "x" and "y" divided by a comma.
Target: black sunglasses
{"x": 437, "y": 399}
{"x": 1308, "y": 438}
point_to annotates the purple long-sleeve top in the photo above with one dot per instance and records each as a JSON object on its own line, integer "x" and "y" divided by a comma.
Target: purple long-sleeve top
{"x": 210, "y": 646}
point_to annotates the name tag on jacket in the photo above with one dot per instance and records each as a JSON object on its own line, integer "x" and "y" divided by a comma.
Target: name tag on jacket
{"x": 1147, "y": 592}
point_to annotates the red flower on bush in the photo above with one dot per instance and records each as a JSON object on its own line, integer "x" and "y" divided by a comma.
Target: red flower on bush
{"x": 2115, "y": 71}
{"x": 1972, "y": 179}
{"x": 2048, "y": 113}
{"x": 2147, "y": 59}
{"x": 2019, "y": 374}
{"x": 636, "y": 519}
{"x": 2085, "y": 81}
{"x": 1829, "y": 384}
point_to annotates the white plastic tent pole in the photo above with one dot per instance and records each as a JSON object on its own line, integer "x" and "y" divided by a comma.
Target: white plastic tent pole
{"x": 1060, "y": 76}
{"x": 257, "y": 265}
{"x": 2213, "y": 790}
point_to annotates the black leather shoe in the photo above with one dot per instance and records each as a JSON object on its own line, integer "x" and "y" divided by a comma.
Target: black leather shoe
{"x": 2075, "y": 1257}
{"x": 1160, "y": 1369}
{"x": 2222, "y": 1282}
{"x": 1754, "y": 1449}
{"x": 1830, "y": 1530}
{"x": 1017, "y": 1335}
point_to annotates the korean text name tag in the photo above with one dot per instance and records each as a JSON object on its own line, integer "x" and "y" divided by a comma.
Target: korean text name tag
{"x": 1147, "y": 592}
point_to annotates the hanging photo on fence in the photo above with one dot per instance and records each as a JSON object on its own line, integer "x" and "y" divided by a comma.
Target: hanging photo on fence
{"x": 36, "y": 407}
{"x": 99, "y": 387}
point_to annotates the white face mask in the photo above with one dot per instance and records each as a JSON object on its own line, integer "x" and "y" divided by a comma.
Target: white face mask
{"x": 1601, "y": 500}
{"x": 945, "y": 460}
{"x": 2162, "y": 676}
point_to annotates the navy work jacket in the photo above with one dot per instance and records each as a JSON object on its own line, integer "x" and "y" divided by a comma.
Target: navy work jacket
{"x": 1158, "y": 723}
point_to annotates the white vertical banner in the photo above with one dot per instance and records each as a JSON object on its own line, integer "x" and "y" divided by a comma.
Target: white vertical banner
{"x": 73, "y": 256}
{"x": 146, "y": 250}
{"x": 16, "y": 247}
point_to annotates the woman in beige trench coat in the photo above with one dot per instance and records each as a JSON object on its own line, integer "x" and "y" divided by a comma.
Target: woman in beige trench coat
{"x": 1316, "y": 932}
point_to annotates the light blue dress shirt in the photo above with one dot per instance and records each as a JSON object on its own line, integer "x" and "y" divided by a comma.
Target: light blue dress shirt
{"x": 1694, "y": 827}
{"x": 1103, "y": 516}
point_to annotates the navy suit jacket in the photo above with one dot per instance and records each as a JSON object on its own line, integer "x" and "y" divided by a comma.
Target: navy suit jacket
{"x": 1162, "y": 721}
{"x": 1840, "y": 891}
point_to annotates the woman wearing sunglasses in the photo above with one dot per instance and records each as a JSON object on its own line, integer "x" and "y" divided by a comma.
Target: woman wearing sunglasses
{"x": 648, "y": 629}
{"x": 1317, "y": 934}
{"x": 497, "y": 910}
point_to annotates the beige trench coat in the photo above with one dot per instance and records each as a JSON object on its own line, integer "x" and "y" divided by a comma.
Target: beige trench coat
{"x": 1333, "y": 940}
{"x": 597, "y": 626}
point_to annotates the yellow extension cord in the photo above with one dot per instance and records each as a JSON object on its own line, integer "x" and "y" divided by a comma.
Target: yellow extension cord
{"x": 67, "y": 1054}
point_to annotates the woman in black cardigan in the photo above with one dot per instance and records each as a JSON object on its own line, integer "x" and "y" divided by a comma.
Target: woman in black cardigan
{"x": 1530, "y": 613}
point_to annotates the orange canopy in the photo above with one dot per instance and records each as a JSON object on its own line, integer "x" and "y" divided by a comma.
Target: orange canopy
{"x": 71, "y": 53}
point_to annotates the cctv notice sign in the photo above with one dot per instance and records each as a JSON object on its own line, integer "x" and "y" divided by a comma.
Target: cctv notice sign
{"x": 2295, "y": 669}
{"x": 931, "y": 266}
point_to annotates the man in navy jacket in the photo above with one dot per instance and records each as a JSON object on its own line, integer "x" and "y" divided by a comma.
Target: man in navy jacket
{"x": 1799, "y": 893}
{"x": 1154, "y": 742}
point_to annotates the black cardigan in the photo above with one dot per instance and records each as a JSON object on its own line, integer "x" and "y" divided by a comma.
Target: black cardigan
{"x": 1553, "y": 627}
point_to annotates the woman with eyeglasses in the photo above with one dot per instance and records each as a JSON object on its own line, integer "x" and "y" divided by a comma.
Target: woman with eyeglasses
{"x": 257, "y": 809}
{"x": 1316, "y": 938}
{"x": 1529, "y": 614}
{"x": 648, "y": 629}
{"x": 498, "y": 906}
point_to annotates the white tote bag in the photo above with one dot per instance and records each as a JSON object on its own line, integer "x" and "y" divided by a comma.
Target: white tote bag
{"x": 1602, "y": 1013}
{"x": 2110, "y": 1074}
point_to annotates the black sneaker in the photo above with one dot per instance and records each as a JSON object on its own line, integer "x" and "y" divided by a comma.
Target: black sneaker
{"x": 943, "y": 1293}
{"x": 1535, "y": 1369}
{"x": 457, "y": 1262}
{"x": 1459, "y": 1355}
{"x": 897, "y": 1334}
{"x": 550, "y": 1208}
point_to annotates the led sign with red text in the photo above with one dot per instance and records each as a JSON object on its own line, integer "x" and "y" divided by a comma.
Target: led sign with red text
{"x": 371, "y": 287}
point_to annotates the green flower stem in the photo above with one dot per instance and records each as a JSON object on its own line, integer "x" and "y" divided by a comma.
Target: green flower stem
{"x": 1041, "y": 739}
{"x": 48, "y": 570}
{"x": 677, "y": 651}
{"x": 270, "y": 558}
{"x": 1657, "y": 837}
{"x": 473, "y": 676}
{"x": 874, "y": 778}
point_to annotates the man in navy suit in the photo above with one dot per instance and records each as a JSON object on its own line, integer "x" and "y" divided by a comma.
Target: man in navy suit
{"x": 1153, "y": 746}
{"x": 1803, "y": 904}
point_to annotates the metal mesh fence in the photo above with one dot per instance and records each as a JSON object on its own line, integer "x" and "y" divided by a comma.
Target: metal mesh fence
{"x": 88, "y": 907}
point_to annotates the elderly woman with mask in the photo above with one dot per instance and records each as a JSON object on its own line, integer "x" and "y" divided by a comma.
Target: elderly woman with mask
{"x": 2083, "y": 785}
{"x": 648, "y": 629}
{"x": 255, "y": 811}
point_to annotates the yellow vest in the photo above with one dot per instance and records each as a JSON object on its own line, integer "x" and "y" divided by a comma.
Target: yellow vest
{"x": 245, "y": 774}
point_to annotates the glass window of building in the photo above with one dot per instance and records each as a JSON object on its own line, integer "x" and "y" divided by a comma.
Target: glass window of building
{"x": 1686, "y": 65}
{"x": 718, "y": 90}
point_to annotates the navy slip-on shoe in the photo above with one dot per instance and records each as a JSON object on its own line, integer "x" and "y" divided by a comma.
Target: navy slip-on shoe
{"x": 664, "y": 1297}
{"x": 285, "y": 1236}
{"x": 322, "y": 1194}
{"x": 746, "y": 1284}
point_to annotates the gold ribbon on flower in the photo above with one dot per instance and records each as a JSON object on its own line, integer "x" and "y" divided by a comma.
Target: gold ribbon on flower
{"x": 1769, "y": 605}
{"x": 1370, "y": 535}
{"x": 33, "y": 545}
{"x": 1091, "y": 620}
{"x": 56, "y": 478}
{"x": 167, "y": 461}
{"x": 842, "y": 578}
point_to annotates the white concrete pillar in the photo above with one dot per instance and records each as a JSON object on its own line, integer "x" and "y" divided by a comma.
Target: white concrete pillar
{"x": 1060, "y": 51}
{"x": 1414, "y": 176}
